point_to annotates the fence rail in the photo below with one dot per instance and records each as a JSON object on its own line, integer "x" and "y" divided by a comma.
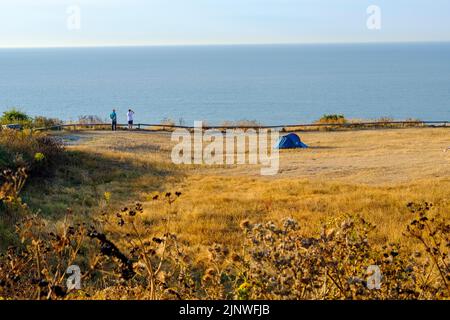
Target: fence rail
{"x": 164, "y": 127}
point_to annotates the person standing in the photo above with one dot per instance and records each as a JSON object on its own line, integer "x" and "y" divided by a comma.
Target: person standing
{"x": 130, "y": 115}
{"x": 113, "y": 117}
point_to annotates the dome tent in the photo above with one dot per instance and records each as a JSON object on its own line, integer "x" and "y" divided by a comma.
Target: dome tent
{"x": 290, "y": 141}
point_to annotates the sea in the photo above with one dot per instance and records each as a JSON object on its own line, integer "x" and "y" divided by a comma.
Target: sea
{"x": 269, "y": 84}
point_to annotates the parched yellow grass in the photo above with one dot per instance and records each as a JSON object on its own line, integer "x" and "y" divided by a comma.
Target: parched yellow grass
{"x": 212, "y": 207}
{"x": 374, "y": 173}
{"x": 364, "y": 157}
{"x": 385, "y": 156}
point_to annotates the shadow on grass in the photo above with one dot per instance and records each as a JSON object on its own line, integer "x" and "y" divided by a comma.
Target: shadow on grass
{"x": 81, "y": 181}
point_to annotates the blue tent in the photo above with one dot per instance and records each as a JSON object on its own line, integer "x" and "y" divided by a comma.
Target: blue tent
{"x": 290, "y": 141}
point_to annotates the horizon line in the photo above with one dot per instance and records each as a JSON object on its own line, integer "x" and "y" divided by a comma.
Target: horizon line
{"x": 223, "y": 44}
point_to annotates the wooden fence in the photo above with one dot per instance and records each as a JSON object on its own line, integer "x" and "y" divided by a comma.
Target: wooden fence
{"x": 292, "y": 127}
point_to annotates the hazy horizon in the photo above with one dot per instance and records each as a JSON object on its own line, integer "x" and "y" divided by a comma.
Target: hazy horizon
{"x": 223, "y": 44}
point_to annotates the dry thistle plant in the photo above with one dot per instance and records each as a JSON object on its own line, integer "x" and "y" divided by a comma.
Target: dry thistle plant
{"x": 276, "y": 260}
{"x": 280, "y": 263}
{"x": 155, "y": 267}
{"x": 37, "y": 268}
{"x": 432, "y": 231}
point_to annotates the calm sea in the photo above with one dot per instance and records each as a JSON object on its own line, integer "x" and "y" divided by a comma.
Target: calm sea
{"x": 276, "y": 84}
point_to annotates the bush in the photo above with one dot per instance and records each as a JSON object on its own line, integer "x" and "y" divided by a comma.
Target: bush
{"x": 332, "y": 119}
{"x": 44, "y": 122}
{"x": 15, "y": 116}
{"x": 35, "y": 152}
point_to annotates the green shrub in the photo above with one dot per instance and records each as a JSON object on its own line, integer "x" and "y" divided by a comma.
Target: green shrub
{"x": 35, "y": 152}
{"x": 332, "y": 119}
{"x": 15, "y": 116}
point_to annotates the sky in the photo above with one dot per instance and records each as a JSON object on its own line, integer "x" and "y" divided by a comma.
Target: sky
{"x": 48, "y": 23}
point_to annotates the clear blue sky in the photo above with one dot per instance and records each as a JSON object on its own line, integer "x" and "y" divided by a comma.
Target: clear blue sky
{"x": 157, "y": 22}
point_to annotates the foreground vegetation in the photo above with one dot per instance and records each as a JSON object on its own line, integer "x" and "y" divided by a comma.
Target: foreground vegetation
{"x": 36, "y": 152}
{"x": 15, "y": 116}
{"x": 141, "y": 228}
{"x": 276, "y": 261}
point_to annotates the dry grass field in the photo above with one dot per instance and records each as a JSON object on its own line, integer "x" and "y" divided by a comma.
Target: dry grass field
{"x": 374, "y": 173}
{"x": 141, "y": 227}
{"x": 371, "y": 157}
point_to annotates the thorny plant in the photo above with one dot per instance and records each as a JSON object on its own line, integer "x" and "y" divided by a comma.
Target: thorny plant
{"x": 13, "y": 184}
{"x": 276, "y": 261}
{"x": 155, "y": 267}
{"x": 11, "y": 207}
{"x": 433, "y": 233}
{"x": 280, "y": 263}
{"x": 37, "y": 268}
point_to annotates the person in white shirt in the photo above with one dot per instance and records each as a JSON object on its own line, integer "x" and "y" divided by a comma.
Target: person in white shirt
{"x": 130, "y": 115}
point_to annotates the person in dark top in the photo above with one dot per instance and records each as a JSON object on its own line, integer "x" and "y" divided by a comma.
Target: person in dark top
{"x": 113, "y": 117}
